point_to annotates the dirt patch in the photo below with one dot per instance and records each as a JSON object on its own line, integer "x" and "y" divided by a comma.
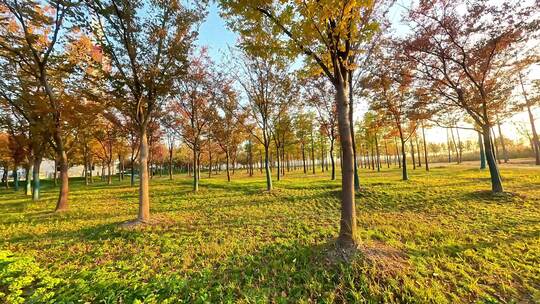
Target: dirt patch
{"x": 156, "y": 220}
{"x": 387, "y": 259}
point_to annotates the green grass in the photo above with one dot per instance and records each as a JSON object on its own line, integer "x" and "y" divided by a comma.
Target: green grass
{"x": 439, "y": 238}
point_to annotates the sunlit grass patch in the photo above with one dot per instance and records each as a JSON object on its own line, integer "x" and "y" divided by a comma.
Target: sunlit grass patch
{"x": 440, "y": 237}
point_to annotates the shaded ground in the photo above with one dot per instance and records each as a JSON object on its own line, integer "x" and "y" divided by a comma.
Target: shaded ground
{"x": 439, "y": 238}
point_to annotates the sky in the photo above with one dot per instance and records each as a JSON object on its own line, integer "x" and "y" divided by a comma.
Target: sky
{"x": 215, "y": 35}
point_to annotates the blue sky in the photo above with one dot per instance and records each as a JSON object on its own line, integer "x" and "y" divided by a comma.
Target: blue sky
{"x": 215, "y": 35}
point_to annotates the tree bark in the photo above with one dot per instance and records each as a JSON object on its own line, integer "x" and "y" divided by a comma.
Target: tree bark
{"x": 496, "y": 182}
{"x": 28, "y": 179}
{"x": 312, "y": 152}
{"x": 332, "y": 160}
{"x": 267, "y": 168}
{"x": 304, "y": 158}
{"x": 144, "y": 191}
{"x": 425, "y": 147}
{"x": 15, "y": 178}
{"x": 227, "y": 156}
{"x": 347, "y": 233}
{"x": 196, "y": 171}
{"x": 482, "y": 152}
{"x": 351, "y": 125}
{"x": 418, "y": 149}
{"x": 62, "y": 203}
{"x": 378, "y": 153}
{"x": 412, "y": 154}
{"x": 501, "y": 138}
{"x": 494, "y": 144}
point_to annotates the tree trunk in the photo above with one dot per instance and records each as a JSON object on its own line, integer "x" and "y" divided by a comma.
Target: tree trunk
{"x": 448, "y": 146}
{"x": 351, "y": 126}
{"x": 267, "y": 168}
{"x": 418, "y": 150}
{"x": 536, "y": 141}
{"x": 405, "y": 175}
{"x": 425, "y": 147}
{"x": 5, "y": 176}
{"x": 62, "y": 203}
{"x": 15, "y": 178}
{"x": 170, "y": 163}
{"x": 196, "y": 171}
{"x": 347, "y": 232}
{"x": 55, "y": 173}
{"x": 304, "y": 158}
{"x": 494, "y": 144}
{"x": 227, "y": 156}
{"x": 378, "y": 153}
{"x": 144, "y": 191}
{"x": 109, "y": 173}
{"x": 459, "y": 146}
{"x": 412, "y": 154}
{"x": 496, "y": 182}
{"x": 482, "y": 152}
{"x": 332, "y": 160}
{"x": 501, "y": 138}
{"x": 278, "y": 155}
{"x": 312, "y": 152}
{"x": 132, "y": 177}
{"x": 397, "y": 153}
{"x": 28, "y": 179}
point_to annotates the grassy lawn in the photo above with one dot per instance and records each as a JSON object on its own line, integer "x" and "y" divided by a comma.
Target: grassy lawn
{"x": 439, "y": 238}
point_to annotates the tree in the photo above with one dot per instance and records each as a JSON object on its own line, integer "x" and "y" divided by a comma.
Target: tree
{"x": 467, "y": 59}
{"x": 262, "y": 77}
{"x": 319, "y": 96}
{"x": 325, "y": 32}
{"x": 148, "y": 52}
{"x": 30, "y": 40}
{"x": 393, "y": 95}
{"x": 228, "y": 120}
{"x": 192, "y": 109}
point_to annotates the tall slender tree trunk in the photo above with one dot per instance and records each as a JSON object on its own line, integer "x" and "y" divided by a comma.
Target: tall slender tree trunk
{"x": 412, "y": 154}
{"x": 448, "y": 145}
{"x": 227, "y": 161}
{"x": 62, "y": 203}
{"x": 482, "y": 152}
{"x": 55, "y": 173}
{"x": 109, "y": 173}
{"x": 496, "y": 181}
{"x": 144, "y": 191}
{"x": 304, "y": 158}
{"x": 501, "y": 138}
{"x": 332, "y": 160}
{"x": 15, "y": 178}
{"x": 196, "y": 171}
{"x": 386, "y": 161}
{"x": 425, "y": 147}
{"x": 312, "y": 152}
{"x": 459, "y": 146}
{"x": 378, "y": 153}
{"x": 455, "y": 146}
{"x": 132, "y": 177}
{"x": 347, "y": 233}
{"x": 267, "y": 167}
{"x": 351, "y": 125}
{"x": 28, "y": 179}
{"x": 36, "y": 185}
{"x": 397, "y": 153}
{"x": 494, "y": 144}
{"x": 418, "y": 149}
{"x": 535, "y": 138}
{"x": 278, "y": 162}
{"x": 170, "y": 163}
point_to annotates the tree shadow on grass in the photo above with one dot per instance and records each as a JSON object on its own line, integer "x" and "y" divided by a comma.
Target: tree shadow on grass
{"x": 274, "y": 273}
